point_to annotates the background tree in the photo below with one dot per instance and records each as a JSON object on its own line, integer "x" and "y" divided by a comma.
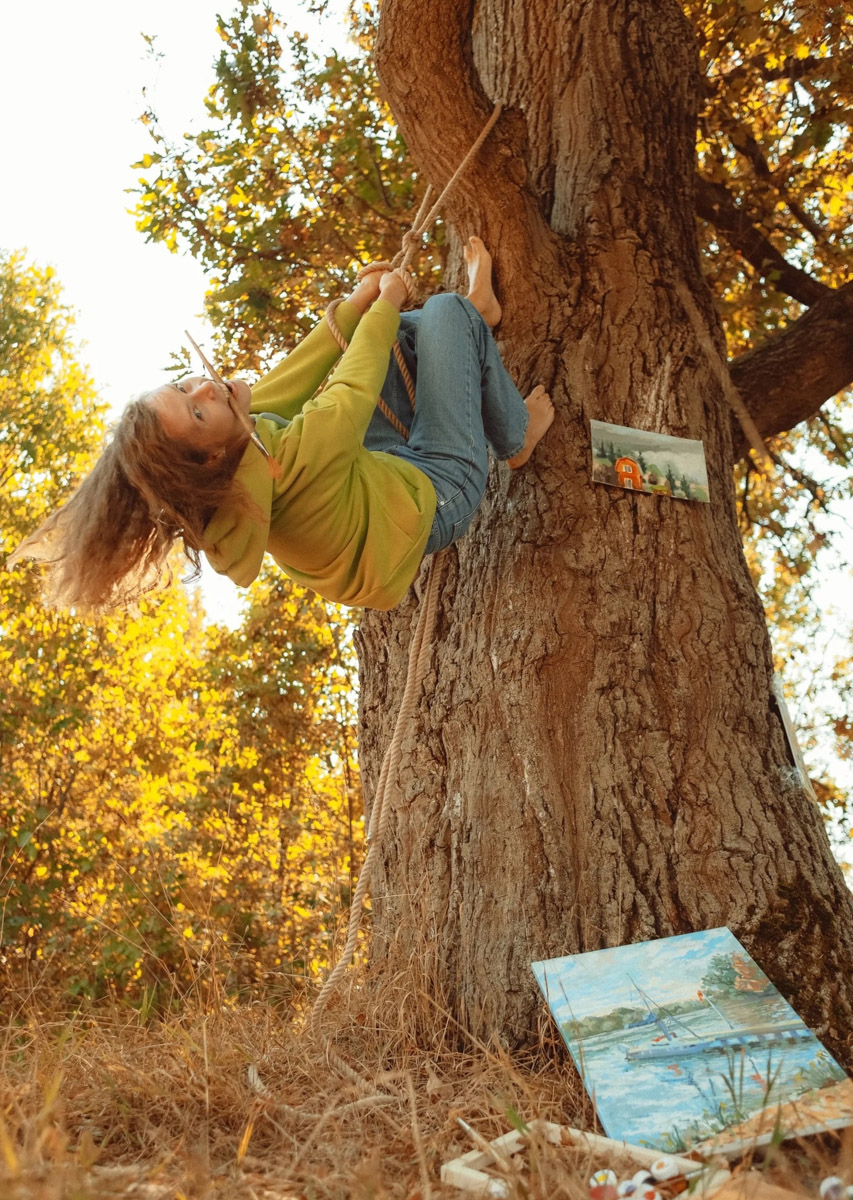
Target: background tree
{"x": 618, "y": 735}
{"x": 179, "y": 806}
{"x": 299, "y": 177}
{"x": 283, "y": 807}
{"x": 272, "y": 93}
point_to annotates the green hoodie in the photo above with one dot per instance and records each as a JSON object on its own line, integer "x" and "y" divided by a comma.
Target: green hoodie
{"x": 347, "y": 522}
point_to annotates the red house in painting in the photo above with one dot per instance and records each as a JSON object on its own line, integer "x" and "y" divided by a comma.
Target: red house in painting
{"x": 630, "y": 475}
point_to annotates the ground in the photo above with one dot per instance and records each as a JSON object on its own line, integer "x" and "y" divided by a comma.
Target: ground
{"x": 240, "y": 1103}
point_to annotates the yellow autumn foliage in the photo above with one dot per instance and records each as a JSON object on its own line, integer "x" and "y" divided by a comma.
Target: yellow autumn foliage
{"x": 178, "y": 803}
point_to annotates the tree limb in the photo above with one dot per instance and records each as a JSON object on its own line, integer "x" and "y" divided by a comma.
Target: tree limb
{"x": 786, "y": 380}
{"x": 425, "y": 63}
{"x": 714, "y": 203}
{"x": 792, "y": 68}
{"x": 745, "y": 142}
{"x": 434, "y": 74}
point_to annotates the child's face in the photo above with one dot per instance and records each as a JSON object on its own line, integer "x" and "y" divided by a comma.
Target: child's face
{"x": 198, "y": 412}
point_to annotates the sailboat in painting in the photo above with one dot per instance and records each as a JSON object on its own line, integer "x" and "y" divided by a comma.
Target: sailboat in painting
{"x": 671, "y": 1044}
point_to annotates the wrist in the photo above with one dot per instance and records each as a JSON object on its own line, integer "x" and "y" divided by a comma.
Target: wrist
{"x": 362, "y": 296}
{"x": 394, "y": 290}
{"x": 394, "y": 302}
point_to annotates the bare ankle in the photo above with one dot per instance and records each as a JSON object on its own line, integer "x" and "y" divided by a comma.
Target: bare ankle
{"x": 540, "y": 410}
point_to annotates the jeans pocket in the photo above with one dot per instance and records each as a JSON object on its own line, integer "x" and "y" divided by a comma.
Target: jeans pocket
{"x": 460, "y": 526}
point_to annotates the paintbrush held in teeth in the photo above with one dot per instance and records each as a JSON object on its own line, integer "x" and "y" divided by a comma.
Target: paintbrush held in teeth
{"x": 273, "y": 466}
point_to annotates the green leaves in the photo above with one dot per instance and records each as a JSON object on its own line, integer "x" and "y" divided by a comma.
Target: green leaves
{"x": 297, "y": 180}
{"x": 46, "y": 397}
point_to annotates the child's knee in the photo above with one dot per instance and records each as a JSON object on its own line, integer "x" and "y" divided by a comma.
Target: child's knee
{"x": 452, "y": 307}
{"x": 445, "y": 301}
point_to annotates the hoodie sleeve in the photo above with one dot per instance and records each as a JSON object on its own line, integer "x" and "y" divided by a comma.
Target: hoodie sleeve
{"x": 316, "y": 452}
{"x": 354, "y": 388}
{"x": 235, "y": 539}
{"x": 287, "y": 386}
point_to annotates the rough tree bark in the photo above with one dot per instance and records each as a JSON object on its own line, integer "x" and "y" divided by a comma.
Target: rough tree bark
{"x": 597, "y": 759}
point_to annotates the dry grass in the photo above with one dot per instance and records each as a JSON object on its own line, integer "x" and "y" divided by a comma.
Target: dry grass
{"x": 244, "y": 1103}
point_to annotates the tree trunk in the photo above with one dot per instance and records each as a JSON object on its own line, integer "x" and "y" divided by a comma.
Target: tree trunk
{"x": 596, "y": 758}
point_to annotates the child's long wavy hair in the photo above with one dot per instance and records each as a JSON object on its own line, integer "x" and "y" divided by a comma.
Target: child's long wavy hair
{"x": 109, "y": 544}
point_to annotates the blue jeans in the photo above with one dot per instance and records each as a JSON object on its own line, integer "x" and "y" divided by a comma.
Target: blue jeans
{"x": 464, "y": 401}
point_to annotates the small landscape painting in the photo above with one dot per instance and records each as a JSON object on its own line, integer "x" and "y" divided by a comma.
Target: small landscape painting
{"x": 649, "y": 462}
{"x": 685, "y": 1041}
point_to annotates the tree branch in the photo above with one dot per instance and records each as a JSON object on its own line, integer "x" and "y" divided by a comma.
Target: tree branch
{"x": 424, "y": 60}
{"x": 792, "y": 68}
{"x": 714, "y": 203}
{"x": 745, "y": 143}
{"x": 430, "y": 75}
{"x": 786, "y": 380}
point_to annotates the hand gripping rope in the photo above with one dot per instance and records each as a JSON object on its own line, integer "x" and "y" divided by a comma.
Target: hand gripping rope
{"x": 401, "y": 261}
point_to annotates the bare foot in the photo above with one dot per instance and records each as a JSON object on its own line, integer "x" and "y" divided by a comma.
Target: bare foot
{"x": 541, "y": 410}
{"x": 480, "y": 291}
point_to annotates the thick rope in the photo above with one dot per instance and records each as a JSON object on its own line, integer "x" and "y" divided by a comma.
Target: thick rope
{"x": 412, "y": 239}
{"x": 407, "y": 378}
{"x": 380, "y": 813}
{"x": 401, "y": 262}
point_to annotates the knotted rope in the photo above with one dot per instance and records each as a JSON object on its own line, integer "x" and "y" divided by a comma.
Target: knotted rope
{"x": 422, "y": 638}
{"x": 400, "y": 263}
{"x": 412, "y": 239}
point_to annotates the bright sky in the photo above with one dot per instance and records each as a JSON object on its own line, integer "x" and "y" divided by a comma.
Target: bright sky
{"x": 71, "y": 93}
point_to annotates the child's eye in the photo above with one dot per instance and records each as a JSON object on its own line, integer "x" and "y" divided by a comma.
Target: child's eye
{"x": 197, "y": 414}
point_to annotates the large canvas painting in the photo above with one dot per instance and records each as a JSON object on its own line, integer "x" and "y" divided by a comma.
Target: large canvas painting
{"x": 686, "y": 1041}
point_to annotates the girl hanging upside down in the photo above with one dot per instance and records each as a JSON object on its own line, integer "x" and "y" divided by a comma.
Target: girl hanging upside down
{"x": 356, "y": 507}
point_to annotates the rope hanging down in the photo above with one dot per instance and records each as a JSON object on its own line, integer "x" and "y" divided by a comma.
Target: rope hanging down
{"x": 721, "y": 370}
{"x": 422, "y": 638}
{"x": 380, "y": 814}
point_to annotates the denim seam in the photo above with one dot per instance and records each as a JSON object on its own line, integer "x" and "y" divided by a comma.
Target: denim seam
{"x": 512, "y": 453}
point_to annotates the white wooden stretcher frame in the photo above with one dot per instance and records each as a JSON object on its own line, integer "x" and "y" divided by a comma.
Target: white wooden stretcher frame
{"x": 466, "y": 1173}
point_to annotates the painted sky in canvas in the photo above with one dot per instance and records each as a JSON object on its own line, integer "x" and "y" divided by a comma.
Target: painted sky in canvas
{"x": 685, "y": 454}
{"x": 598, "y": 981}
